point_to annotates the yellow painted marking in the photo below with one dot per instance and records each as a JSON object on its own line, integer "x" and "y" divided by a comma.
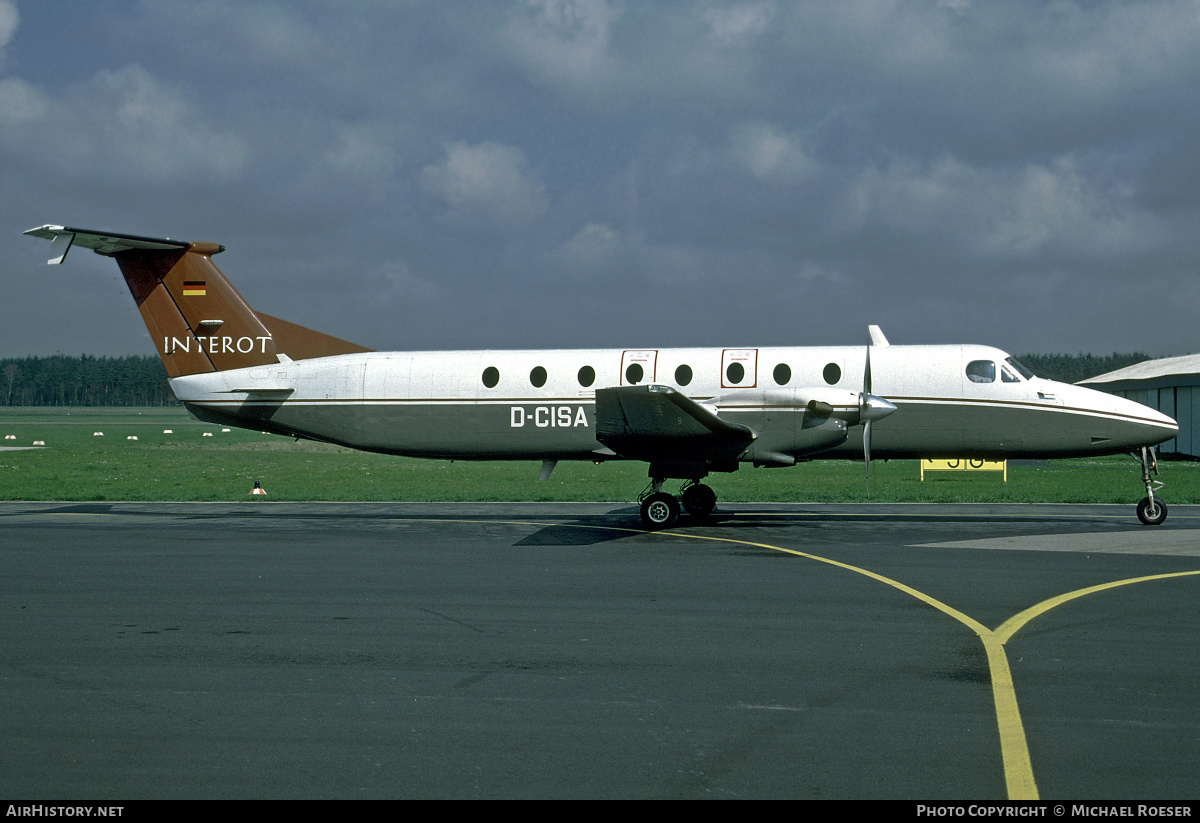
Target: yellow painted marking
{"x": 1015, "y": 623}
{"x": 1014, "y": 749}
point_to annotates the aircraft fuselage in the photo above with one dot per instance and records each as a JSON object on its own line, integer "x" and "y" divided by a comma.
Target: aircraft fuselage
{"x": 540, "y": 404}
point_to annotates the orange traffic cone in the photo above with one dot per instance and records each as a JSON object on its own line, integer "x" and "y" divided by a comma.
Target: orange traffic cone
{"x": 258, "y": 489}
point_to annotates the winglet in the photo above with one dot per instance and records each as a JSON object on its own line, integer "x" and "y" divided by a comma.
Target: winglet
{"x": 59, "y": 246}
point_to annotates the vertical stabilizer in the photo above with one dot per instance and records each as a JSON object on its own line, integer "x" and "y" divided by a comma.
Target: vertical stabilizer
{"x": 198, "y": 321}
{"x": 196, "y": 318}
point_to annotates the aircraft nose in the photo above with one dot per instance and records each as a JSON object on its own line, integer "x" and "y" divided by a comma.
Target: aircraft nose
{"x": 1160, "y": 427}
{"x": 1132, "y": 424}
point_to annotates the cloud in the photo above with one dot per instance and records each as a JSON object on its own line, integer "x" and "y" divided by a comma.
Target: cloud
{"x": 20, "y": 103}
{"x": 8, "y": 25}
{"x": 564, "y": 41}
{"x": 739, "y": 25}
{"x": 362, "y": 149}
{"x": 769, "y": 155}
{"x": 259, "y": 31}
{"x": 593, "y": 249}
{"x": 489, "y": 182}
{"x": 651, "y": 164}
{"x": 119, "y": 123}
{"x": 1002, "y": 213}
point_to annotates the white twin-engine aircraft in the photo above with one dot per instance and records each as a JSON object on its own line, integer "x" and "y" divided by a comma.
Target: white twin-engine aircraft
{"x": 686, "y": 412}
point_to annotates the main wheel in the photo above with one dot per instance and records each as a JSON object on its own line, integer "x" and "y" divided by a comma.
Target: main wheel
{"x": 660, "y": 511}
{"x": 1152, "y": 513}
{"x": 699, "y": 500}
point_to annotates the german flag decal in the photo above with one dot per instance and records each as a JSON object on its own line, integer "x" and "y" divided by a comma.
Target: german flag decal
{"x": 194, "y": 288}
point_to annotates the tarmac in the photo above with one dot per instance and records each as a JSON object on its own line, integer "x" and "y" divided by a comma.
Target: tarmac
{"x": 284, "y": 650}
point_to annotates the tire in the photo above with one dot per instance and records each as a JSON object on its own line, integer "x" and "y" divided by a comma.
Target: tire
{"x": 699, "y": 500}
{"x": 660, "y": 511}
{"x": 1152, "y": 515}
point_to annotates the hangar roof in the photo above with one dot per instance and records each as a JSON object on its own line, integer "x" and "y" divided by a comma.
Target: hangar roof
{"x": 1170, "y": 371}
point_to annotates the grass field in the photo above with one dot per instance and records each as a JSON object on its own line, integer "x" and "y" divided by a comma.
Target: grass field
{"x": 186, "y": 465}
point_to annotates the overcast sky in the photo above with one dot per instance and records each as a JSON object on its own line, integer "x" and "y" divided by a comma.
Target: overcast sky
{"x": 570, "y": 173}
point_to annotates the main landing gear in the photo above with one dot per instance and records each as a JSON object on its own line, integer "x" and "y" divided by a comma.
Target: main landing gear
{"x": 1152, "y": 511}
{"x": 660, "y": 510}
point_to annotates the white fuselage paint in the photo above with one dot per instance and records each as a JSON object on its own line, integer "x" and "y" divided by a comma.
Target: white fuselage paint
{"x": 438, "y": 404}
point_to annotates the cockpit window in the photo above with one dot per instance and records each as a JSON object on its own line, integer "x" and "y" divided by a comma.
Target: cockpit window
{"x": 981, "y": 371}
{"x": 1007, "y": 375}
{"x": 1020, "y": 367}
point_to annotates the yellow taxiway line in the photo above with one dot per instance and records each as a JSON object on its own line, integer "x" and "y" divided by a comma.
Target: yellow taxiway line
{"x": 1014, "y": 750}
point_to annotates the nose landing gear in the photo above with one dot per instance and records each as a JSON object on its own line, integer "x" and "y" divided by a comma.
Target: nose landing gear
{"x": 1151, "y": 511}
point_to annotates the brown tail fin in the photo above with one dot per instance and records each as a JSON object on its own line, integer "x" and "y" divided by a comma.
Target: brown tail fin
{"x": 197, "y": 319}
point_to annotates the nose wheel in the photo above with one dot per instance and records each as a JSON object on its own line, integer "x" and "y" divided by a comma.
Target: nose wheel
{"x": 1152, "y": 511}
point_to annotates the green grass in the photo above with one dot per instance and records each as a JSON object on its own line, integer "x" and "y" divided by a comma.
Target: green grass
{"x": 187, "y": 466}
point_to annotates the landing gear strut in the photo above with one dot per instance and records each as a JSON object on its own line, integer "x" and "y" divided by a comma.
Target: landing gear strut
{"x": 660, "y": 510}
{"x": 1151, "y": 511}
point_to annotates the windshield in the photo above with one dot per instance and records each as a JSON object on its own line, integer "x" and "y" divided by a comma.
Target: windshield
{"x": 1020, "y": 367}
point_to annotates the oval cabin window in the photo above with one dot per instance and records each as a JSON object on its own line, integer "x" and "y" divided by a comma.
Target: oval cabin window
{"x": 683, "y": 375}
{"x": 491, "y": 376}
{"x": 587, "y": 376}
{"x": 537, "y": 377}
{"x": 981, "y": 371}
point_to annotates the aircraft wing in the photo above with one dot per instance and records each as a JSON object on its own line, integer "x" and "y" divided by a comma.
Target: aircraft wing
{"x": 654, "y": 422}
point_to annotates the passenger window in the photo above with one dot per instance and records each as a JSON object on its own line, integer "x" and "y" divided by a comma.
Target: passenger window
{"x": 537, "y": 377}
{"x": 587, "y": 376}
{"x": 491, "y": 376}
{"x": 981, "y": 371}
{"x": 735, "y": 373}
{"x": 782, "y": 374}
{"x": 683, "y": 375}
{"x": 634, "y": 373}
{"x": 832, "y": 373}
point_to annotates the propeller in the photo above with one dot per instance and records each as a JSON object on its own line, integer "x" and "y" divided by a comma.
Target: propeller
{"x": 871, "y": 407}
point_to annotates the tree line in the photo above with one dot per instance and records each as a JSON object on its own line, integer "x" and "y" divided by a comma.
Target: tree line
{"x": 84, "y": 381}
{"x": 1071, "y": 368}
{"x": 142, "y": 380}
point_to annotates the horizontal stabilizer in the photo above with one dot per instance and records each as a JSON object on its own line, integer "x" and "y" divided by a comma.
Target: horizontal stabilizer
{"x": 63, "y": 239}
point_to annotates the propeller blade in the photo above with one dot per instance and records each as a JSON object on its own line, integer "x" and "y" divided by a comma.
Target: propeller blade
{"x": 863, "y": 407}
{"x": 867, "y": 372}
{"x": 871, "y": 407}
{"x": 867, "y": 454}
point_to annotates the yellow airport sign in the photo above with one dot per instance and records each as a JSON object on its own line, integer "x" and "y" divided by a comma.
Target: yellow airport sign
{"x": 961, "y": 464}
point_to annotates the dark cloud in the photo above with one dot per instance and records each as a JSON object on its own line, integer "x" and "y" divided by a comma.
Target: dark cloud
{"x": 586, "y": 173}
